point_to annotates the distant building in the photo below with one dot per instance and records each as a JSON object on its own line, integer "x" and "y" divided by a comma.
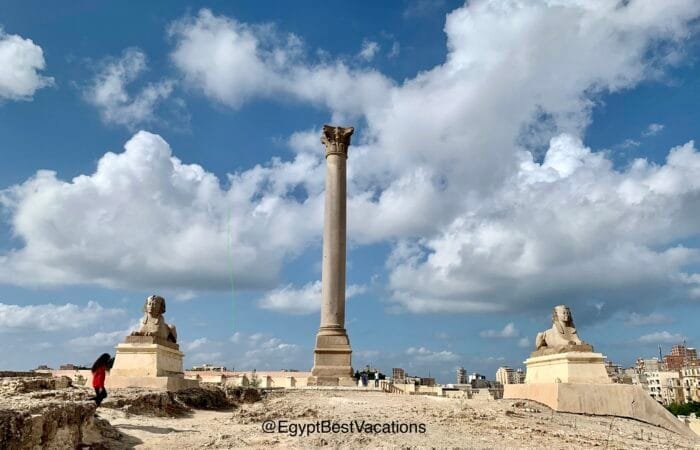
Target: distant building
{"x": 72, "y": 367}
{"x": 648, "y": 365}
{"x": 679, "y": 356}
{"x": 426, "y": 381}
{"x": 505, "y": 375}
{"x": 462, "y": 376}
{"x": 42, "y": 367}
{"x": 474, "y": 377}
{"x": 665, "y": 387}
{"x": 508, "y": 375}
{"x": 398, "y": 374}
{"x": 208, "y": 368}
{"x": 690, "y": 380}
{"x": 616, "y": 373}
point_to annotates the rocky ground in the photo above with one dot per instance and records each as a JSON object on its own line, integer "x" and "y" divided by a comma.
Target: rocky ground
{"x": 149, "y": 420}
{"x": 449, "y": 423}
{"x": 40, "y": 412}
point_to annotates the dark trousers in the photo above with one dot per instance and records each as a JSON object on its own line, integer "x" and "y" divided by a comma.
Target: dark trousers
{"x": 100, "y": 394}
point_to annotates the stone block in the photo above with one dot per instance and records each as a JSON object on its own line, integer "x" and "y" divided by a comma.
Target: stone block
{"x": 609, "y": 399}
{"x": 569, "y": 367}
{"x": 143, "y": 363}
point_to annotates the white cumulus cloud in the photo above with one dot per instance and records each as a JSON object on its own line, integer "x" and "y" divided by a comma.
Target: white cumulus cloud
{"x": 52, "y": 317}
{"x": 508, "y": 331}
{"x": 146, "y": 219}
{"x": 661, "y": 337}
{"x": 108, "y": 91}
{"x": 369, "y": 50}
{"x": 21, "y": 64}
{"x": 570, "y": 227}
{"x": 233, "y": 62}
{"x": 303, "y": 300}
{"x": 424, "y": 355}
{"x": 653, "y": 129}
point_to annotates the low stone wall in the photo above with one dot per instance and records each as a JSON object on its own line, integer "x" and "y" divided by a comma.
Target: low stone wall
{"x": 263, "y": 380}
{"x": 8, "y": 373}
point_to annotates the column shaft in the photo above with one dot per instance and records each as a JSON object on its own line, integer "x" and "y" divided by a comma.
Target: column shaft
{"x": 334, "y": 238}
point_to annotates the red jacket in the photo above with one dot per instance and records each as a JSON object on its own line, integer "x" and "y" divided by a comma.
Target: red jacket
{"x": 98, "y": 378}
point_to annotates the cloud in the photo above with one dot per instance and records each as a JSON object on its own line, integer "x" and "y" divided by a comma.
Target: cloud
{"x": 21, "y": 62}
{"x": 304, "y": 300}
{"x": 99, "y": 340}
{"x": 629, "y": 144}
{"x": 207, "y": 357}
{"x": 509, "y": 331}
{"x": 366, "y": 354}
{"x": 145, "y": 219}
{"x": 369, "y": 50}
{"x": 395, "y": 50}
{"x": 661, "y": 337}
{"x": 108, "y": 91}
{"x": 636, "y": 319}
{"x": 259, "y": 350}
{"x": 572, "y": 220}
{"x": 653, "y": 129}
{"x": 196, "y": 344}
{"x": 423, "y": 355}
{"x": 269, "y": 352}
{"x": 420, "y": 8}
{"x": 103, "y": 339}
{"x": 524, "y": 342}
{"x": 233, "y": 62}
{"x": 51, "y": 317}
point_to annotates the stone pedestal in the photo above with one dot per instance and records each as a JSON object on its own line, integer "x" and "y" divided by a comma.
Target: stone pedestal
{"x": 569, "y": 367}
{"x": 332, "y": 359}
{"x": 148, "y": 362}
{"x": 577, "y": 382}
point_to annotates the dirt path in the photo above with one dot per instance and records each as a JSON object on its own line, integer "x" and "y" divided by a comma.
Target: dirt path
{"x": 450, "y": 423}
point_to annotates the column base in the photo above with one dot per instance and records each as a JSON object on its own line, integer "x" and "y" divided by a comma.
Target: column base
{"x": 332, "y": 359}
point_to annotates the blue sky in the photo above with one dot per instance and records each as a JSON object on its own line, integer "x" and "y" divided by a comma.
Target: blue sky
{"x": 507, "y": 158}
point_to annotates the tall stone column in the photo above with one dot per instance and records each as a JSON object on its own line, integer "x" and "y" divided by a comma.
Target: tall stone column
{"x": 332, "y": 355}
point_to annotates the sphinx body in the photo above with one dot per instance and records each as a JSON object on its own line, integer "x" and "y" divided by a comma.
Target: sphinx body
{"x": 562, "y": 336}
{"x": 153, "y": 323}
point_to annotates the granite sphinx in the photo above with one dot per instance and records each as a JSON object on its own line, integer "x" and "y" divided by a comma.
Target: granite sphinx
{"x": 153, "y": 323}
{"x": 562, "y": 337}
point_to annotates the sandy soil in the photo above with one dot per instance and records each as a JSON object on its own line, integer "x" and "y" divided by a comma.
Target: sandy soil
{"x": 452, "y": 423}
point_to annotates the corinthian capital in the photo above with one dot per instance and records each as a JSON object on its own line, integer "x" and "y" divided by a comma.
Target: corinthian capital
{"x": 336, "y": 140}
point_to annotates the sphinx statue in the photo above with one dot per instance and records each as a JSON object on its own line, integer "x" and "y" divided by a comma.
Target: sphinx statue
{"x": 562, "y": 337}
{"x": 153, "y": 323}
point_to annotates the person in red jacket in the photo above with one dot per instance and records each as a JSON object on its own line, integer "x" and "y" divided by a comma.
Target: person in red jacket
{"x": 99, "y": 372}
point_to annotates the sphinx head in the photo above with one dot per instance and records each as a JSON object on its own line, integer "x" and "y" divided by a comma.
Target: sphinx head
{"x": 561, "y": 314}
{"x": 154, "y": 306}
